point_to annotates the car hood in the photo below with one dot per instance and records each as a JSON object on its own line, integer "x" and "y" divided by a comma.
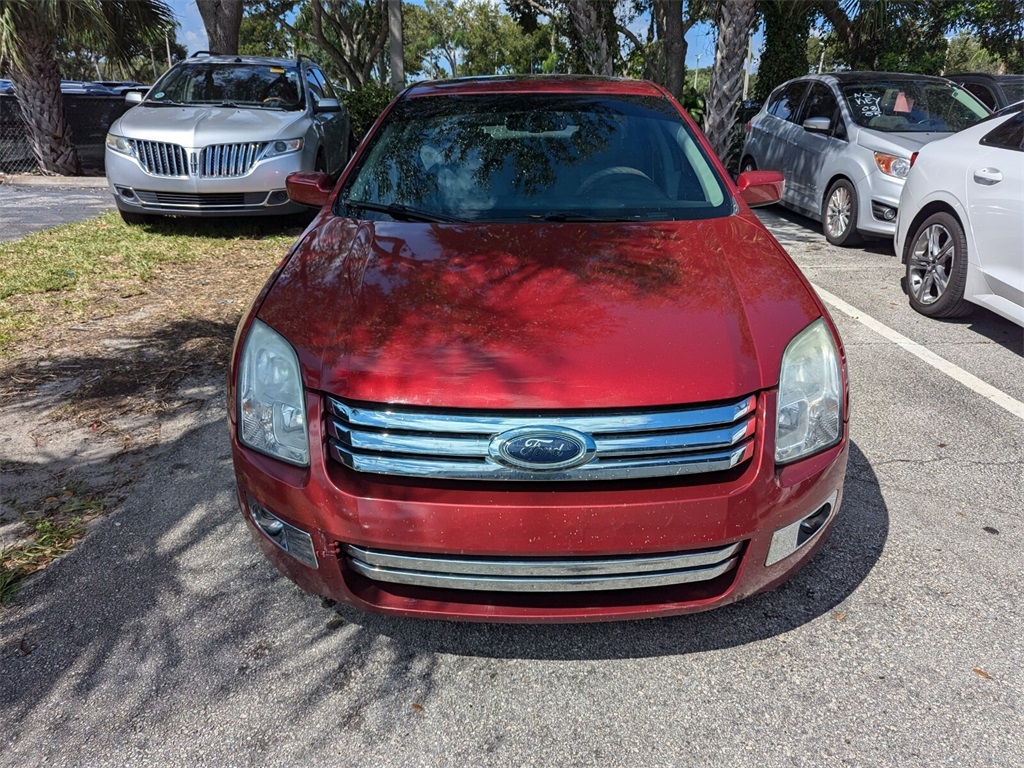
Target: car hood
{"x": 540, "y": 315}
{"x": 902, "y": 144}
{"x": 200, "y": 126}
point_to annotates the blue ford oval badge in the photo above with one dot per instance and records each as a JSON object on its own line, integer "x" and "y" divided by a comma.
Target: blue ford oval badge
{"x": 542, "y": 448}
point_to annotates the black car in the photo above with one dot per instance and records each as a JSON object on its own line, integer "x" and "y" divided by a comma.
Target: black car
{"x": 994, "y": 91}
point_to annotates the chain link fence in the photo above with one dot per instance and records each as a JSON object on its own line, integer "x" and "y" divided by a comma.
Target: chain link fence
{"x": 89, "y": 115}
{"x": 15, "y": 151}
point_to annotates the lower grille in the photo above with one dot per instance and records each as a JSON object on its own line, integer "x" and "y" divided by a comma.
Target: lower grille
{"x": 198, "y": 200}
{"x": 570, "y": 574}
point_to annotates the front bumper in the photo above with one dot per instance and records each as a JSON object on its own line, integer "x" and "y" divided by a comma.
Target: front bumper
{"x": 261, "y": 192}
{"x": 737, "y": 512}
{"x": 877, "y": 193}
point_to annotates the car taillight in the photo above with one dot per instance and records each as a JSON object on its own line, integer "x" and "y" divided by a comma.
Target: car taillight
{"x": 913, "y": 159}
{"x": 746, "y": 128}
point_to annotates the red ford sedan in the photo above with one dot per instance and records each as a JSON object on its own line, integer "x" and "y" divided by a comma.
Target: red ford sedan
{"x": 536, "y": 360}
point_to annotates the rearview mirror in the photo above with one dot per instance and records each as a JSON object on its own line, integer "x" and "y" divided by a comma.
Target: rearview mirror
{"x": 761, "y": 187}
{"x": 310, "y": 189}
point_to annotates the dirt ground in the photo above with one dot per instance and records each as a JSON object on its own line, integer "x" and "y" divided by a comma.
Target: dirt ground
{"x": 85, "y": 402}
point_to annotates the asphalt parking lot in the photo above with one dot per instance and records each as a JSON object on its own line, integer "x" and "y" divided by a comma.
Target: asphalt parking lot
{"x": 166, "y": 639}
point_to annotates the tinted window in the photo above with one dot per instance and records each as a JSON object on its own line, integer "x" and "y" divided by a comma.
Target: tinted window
{"x": 912, "y": 106}
{"x": 785, "y": 101}
{"x": 325, "y": 84}
{"x": 316, "y": 90}
{"x": 982, "y": 93}
{"x": 539, "y": 157}
{"x": 242, "y": 85}
{"x": 820, "y": 102}
{"x": 1009, "y": 135}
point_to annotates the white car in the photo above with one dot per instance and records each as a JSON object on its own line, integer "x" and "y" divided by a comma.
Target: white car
{"x": 960, "y": 229}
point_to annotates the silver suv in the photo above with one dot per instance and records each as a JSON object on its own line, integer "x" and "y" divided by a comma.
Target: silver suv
{"x": 845, "y": 142}
{"x": 218, "y": 135}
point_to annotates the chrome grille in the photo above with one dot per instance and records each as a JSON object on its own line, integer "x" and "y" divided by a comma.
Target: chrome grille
{"x": 563, "y": 574}
{"x": 458, "y": 446}
{"x": 160, "y": 159}
{"x": 227, "y": 160}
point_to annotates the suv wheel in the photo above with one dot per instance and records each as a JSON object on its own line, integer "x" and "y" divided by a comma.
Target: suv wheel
{"x": 839, "y": 219}
{"x": 937, "y": 268}
{"x": 748, "y": 164}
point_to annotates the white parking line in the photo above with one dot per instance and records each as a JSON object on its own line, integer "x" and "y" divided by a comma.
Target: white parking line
{"x": 955, "y": 372}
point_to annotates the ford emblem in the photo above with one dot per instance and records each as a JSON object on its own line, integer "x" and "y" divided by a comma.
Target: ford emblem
{"x": 542, "y": 448}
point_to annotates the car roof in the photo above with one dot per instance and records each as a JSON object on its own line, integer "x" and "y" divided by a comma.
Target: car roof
{"x": 867, "y": 76}
{"x": 553, "y": 84}
{"x": 1007, "y": 78}
{"x": 219, "y": 58}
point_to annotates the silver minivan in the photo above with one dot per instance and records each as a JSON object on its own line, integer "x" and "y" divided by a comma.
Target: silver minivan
{"x": 218, "y": 136}
{"x": 845, "y": 142}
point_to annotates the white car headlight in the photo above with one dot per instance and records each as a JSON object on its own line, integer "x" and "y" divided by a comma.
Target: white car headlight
{"x": 810, "y": 409}
{"x": 119, "y": 144}
{"x": 282, "y": 147}
{"x": 271, "y": 402}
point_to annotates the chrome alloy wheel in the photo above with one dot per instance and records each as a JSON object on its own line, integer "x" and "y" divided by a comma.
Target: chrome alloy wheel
{"x": 838, "y": 212}
{"x": 931, "y": 264}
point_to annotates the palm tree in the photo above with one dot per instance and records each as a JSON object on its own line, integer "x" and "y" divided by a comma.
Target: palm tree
{"x": 735, "y": 19}
{"x": 28, "y": 31}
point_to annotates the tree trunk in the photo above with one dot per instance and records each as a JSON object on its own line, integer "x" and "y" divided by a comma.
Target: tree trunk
{"x": 669, "y": 15}
{"x": 735, "y": 18}
{"x": 222, "y": 19}
{"x": 37, "y": 88}
{"x": 787, "y": 26}
{"x": 590, "y": 22}
{"x": 397, "y": 44}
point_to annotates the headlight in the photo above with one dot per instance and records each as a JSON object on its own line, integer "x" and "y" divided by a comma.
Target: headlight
{"x": 119, "y": 144}
{"x": 271, "y": 403}
{"x": 810, "y": 409}
{"x": 282, "y": 147}
{"x": 892, "y": 165}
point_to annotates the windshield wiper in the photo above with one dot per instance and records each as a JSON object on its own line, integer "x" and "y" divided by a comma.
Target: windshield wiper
{"x": 401, "y": 212}
{"x": 577, "y": 216}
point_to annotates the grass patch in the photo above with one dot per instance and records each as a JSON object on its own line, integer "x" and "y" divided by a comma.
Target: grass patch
{"x": 53, "y": 528}
{"x": 76, "y": 260}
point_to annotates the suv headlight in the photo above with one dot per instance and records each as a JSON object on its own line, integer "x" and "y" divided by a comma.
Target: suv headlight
{"x": 119, "y": 144}
{"x": 282, "y": 147}
{"x": 891, "y": 165}
{"x": 810, "y": 408}
{"x": 271, "y": 402}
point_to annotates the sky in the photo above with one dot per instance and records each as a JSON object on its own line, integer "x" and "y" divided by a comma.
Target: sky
{"x": 700, "y": 39}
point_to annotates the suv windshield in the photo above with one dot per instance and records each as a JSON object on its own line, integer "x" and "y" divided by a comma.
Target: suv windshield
{"x": 241, "y": 85}
{"x": 908, "y": 106}
{"x": 535, "y": 157}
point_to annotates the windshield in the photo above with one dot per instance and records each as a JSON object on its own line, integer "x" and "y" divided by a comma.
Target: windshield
{"x": 241, "y": 85}
{"x": 535, "y": 157}
{"x": 905, "y": 106}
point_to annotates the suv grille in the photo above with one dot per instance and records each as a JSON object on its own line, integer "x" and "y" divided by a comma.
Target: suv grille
{"x": 160, "y": 159}
{"x": 227, "y": 160}
{"x": 459, "y": 445}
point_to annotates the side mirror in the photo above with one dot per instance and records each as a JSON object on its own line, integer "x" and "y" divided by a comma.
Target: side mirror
{"x": 817, "y": 124}
{"x": 132, "y": 97}
{"x": 761, "y": 187}
{"x": 327, "y": 105}
{"x": 310, "y": 189}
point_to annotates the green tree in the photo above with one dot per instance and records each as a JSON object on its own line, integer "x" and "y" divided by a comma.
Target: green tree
{"x": 966, "y": 54}
{"x": 29, "y": 32}
{"x": 261, "y": 32}
{"x": 787, "y": 27}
